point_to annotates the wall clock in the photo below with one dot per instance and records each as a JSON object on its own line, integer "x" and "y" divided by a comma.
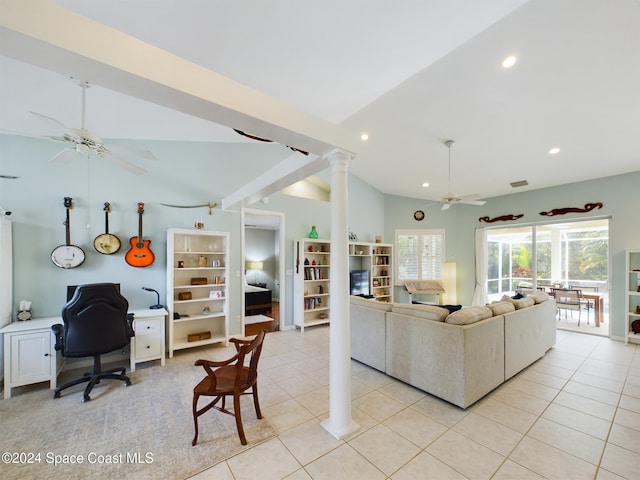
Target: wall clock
{"x": 418, "y": 215}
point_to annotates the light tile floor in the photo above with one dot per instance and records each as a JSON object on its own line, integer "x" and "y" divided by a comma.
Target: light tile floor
{"x": 574, "y": 414}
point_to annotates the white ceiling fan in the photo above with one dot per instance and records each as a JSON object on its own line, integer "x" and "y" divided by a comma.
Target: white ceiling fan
{"x": 452, "y": 199}
{"x": 81, "y": 141}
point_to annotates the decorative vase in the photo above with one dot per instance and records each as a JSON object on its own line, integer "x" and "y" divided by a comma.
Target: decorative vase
{"x": 313, "y": 233}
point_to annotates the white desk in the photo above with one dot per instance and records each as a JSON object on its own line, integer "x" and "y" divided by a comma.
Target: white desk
{"x": 30, "y": 355}
{"x": 148, "y": 343}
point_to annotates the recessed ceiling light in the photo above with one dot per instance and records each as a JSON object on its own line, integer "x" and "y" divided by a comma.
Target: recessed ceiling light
{"x": 364, "y": 137}
{"x": 425, "y": 184}
{"x": 509, "y": 61}
{"x": 554, "y": 150}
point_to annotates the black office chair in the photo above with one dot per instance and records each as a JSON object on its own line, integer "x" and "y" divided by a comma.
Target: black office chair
{"x": 95, "y": 322}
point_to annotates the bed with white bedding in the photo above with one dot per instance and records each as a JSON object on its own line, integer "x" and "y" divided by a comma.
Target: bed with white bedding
{"x": 257, "y": 300}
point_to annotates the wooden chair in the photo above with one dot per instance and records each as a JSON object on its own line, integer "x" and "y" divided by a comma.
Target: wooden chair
{"x": 570, "y": 299}
{"x": 231, "y": 378}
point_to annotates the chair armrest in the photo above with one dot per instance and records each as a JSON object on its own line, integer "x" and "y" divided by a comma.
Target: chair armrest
{"x": 239, "y": 342}
{"x": 207, "y": 364}
{"x": 130, "y": 330}
{"x": 57, "y": 331}
{"x": 213, "y": 363}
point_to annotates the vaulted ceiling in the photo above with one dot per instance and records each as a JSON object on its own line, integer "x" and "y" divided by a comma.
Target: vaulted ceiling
{"x": 410, "y": 74}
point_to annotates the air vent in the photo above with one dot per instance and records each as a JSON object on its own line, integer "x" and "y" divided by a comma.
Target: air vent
{"x": 521, "y": 183}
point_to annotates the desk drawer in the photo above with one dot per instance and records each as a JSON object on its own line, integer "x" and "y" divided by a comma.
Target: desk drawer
{"x": 149, "y": 339}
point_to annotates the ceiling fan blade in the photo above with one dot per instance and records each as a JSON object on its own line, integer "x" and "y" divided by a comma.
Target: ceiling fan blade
{"x": 472, "y": 202}
{"x": 54, "y": 122}
{"x": 29, "y": 135}
{"x": 65, "y": 155}
{"x": 130, "y": 152}
{"x": 427, "y": 205}
{"x": 445, "y": 206}
{"x": 473, "y": 196}
{"x": 130, "y": 167}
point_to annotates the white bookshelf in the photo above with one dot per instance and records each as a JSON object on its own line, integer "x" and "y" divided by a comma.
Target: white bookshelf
{"x": 632, "y": 294}
{"x": 377, "y": 258}
{"x": 312, "y": 266}
{"x": 197, "y": 290}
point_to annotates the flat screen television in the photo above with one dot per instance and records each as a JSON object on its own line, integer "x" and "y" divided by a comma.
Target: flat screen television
{"x": 359, "y": 282}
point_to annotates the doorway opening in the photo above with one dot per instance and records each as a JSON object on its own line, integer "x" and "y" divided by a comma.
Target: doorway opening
{"x": 569, "y": 255}
{"x": 263, "y": 273}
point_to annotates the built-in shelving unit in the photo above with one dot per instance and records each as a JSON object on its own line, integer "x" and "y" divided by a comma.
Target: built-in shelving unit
{"x": 197, "y": 290}
{"x": 632, "y": 294}
{"x": 377, "y": 258}
{"x": 311, "y": 299}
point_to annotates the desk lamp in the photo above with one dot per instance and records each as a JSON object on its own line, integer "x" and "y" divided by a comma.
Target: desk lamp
{"x": 157, "y": 305}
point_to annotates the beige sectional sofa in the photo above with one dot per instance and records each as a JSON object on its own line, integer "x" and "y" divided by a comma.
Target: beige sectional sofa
{"x": 459, "y": 357}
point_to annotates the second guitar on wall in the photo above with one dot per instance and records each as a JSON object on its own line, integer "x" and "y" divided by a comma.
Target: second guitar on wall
{"x": 140, "y": 254}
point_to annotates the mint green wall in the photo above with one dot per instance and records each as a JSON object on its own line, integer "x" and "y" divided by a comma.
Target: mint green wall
{"x": 184, "y": 174}
{"x": 365, "y": 213}
{"x": 617, "y": 193}
{"x": 194, "y": 173}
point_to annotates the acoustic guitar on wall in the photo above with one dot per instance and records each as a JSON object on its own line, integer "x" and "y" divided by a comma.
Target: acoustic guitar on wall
{"x": 139, "y": 255}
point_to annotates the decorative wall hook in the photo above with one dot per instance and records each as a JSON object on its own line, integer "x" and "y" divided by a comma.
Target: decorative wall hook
{"x": 503, "y": 218}
{"x": 562, "y": 211}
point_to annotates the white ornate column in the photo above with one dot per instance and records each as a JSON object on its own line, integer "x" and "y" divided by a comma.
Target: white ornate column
{"x": 339, "y": 424}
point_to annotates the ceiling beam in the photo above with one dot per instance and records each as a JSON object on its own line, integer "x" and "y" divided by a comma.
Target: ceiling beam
{"x": 42, "y": 33}
{"x": 291, "y": 170}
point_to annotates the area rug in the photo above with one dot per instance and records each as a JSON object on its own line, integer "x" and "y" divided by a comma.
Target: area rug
{"x": 143, "y": 431}
{"x": 571, "y": 325}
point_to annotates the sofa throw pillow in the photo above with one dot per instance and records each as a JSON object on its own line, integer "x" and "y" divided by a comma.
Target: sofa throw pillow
{"x": 500, "y": 308}
{"x": 427, "y": 312}
{"x": 539, "y": 296}
{"x": 521, "y": 302}
{"x": 469, "y": 315}
{"x": 452, "y": 308}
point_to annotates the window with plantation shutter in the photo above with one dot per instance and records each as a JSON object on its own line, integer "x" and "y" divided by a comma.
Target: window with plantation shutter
{"x": 419, "y": 255}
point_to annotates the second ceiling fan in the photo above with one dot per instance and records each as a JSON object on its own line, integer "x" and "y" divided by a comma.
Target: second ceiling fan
{"x": 452, "y": 199}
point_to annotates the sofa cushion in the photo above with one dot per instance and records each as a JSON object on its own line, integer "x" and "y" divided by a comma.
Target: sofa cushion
{"x": 500, "y": 308}
{"x": 469, "y": 315}
{"x": 427, "y": 312}
{"x": 363, "y": 302}
{"x": 520, "y": 302}
{"x": 539, "y": 296}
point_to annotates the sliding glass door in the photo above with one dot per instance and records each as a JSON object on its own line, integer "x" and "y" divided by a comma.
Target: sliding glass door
{"x": 569, "y": 254}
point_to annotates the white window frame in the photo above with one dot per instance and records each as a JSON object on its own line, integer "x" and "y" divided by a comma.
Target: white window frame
{"x": 420, "y": 233}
